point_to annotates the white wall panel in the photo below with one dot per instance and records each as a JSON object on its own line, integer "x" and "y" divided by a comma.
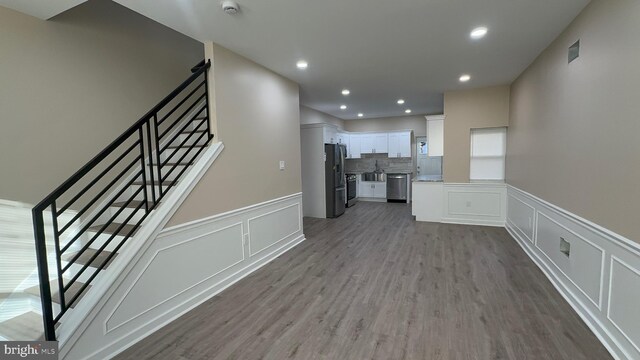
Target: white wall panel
{"x": 584, "y": 264}
{"x": 475, "y": 204}
{"x": 178, "y": 267}
{"x": 182, "y": 267}
{"x": 522, "y": 216}
{"x": 601, "y": 276}
{"x": 262, "y": 233}
{"x": 624, "y": 298}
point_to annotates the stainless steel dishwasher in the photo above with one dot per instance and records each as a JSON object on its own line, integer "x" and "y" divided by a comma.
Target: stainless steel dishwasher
{"x": 397, "y": 187}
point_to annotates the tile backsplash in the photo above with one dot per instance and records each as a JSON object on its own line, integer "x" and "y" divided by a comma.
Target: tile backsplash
{"x": 368, "y": 163}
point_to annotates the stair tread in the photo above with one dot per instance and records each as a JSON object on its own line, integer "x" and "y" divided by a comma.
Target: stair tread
{"x": 164, "y": 183}
{"x": 69, "y": 294}
{"x": 111, "y": 229}
{"x": 133, "y": 204}
{"x": 185, "y": 146}
{"x": 25, "y": 327}
{"x": 175, "y": 163}
{"x": 88, "y": 254}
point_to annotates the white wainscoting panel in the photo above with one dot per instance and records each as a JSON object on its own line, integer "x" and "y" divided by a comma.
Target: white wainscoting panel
{"x": 184, "y": 266}
{"x": 475, "y": 204}
{"x": 522, "y": 216}
{"x": 262, "y": 233}
{"x": 583, "y": 266}
{"x": 600, "y": 275}
{"x": 624, "y": 300}
{"x": 179, "y": 267}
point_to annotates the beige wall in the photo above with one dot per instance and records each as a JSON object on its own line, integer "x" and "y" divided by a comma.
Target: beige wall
{"x": 466, "y": 110}
{"x": 574, "y": 135}
{"x": 258, "y": 120}
{"x": 72, "y": 84}
{"x": 417, "y": 123}
{"x": 312, "y": 116}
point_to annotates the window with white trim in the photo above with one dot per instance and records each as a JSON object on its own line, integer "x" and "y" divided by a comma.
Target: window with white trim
{"x": 488, "y": 151}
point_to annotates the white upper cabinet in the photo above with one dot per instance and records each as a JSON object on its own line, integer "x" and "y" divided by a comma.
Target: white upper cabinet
{"x": 330, "y": 135}
{"x": 435, "y": 135}
{"x": 374, "y": 143}
{"x": 353, "y": 147}
{"x": 343, "y": 138}
{"x": 380, "y": 143}
{"x": 400, "y": 144}
{"x": 366, "y": 143}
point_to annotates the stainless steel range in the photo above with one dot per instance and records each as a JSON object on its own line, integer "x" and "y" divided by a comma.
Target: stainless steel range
{"x": 352, "y": 183}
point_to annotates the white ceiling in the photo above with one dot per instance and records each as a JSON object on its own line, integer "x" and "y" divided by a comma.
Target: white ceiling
{"x": 381, "y": 50}
{"x": 43, "y": 9}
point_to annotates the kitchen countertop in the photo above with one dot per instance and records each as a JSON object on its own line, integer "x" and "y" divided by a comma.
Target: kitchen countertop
{"x": 428, "y": 178}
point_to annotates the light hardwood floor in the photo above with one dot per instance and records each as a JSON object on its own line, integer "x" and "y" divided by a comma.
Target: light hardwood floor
{"x": 375, "y": 284}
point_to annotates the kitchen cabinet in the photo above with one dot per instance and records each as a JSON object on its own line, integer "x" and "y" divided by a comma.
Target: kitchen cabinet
{"x": 330, "y": 135}
{"x": 366, "y": 189}
{"x": 353, "y": 147}
{"x": 373, "y": 189}
{"x": 435, "y": 135}
{"x": 342, "y": 138}
{"x": 380, "y": 190}
{"x": 374, "y": 143}
{"x": 399, "y": 144}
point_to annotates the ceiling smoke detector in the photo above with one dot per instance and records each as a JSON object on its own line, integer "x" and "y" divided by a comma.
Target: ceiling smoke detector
{"x": 230, "y": 7}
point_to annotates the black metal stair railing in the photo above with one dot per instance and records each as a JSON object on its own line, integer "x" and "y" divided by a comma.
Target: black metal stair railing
{"x": 109, "y": 197}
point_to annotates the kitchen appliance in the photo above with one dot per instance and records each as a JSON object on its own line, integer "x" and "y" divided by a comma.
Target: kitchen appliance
{"x": 334, "y": 179}
{"x": 397, "y": 187}
{"x": 352, "y": 183}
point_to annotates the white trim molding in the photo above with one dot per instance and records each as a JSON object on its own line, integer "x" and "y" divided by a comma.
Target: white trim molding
{"x": 182, "y": 267}
{"x": 596, "y": 270}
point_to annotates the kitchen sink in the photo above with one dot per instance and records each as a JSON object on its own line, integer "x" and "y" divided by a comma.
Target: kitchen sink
{"x": 372, "y": 176}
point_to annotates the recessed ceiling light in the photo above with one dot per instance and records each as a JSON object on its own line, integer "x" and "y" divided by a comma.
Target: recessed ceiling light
{"x": 302, "y": 64}
{"x": 360, "y": 114}
{"x": 479, "y": 32}
{"x": 343, "y": 107}
{"x": 400, "y": 101}
{"x": 465, "y": 78}
{"x": 346, "y": 92}
{"x": 408, "y": 111}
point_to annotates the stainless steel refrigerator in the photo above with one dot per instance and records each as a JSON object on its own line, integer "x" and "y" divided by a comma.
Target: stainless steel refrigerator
{"x": 335, "y": 180}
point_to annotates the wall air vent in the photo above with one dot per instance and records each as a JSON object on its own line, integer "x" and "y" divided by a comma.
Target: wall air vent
{"x": 574, "y": 51}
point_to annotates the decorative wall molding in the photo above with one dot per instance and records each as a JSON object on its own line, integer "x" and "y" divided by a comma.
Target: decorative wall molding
{"x": 466, "y": 204}
{"x": 474, "y": 204}
{"x": 600, "y": 277}
{"x": 78, "y": 319}
{"x": 160, "y": 287}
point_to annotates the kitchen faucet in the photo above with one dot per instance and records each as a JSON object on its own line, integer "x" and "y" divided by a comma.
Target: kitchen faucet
{"x": 377, "y": 170}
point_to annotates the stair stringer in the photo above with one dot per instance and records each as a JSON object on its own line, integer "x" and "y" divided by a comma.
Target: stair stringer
{"x": 78, "y": 319}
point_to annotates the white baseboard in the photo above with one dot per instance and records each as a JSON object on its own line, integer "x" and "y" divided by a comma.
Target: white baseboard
{"x": 600, "y": 278}
{"x": 183, "y": 267}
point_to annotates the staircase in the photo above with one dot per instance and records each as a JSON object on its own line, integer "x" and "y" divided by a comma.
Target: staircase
{"x": 83, "y": 225}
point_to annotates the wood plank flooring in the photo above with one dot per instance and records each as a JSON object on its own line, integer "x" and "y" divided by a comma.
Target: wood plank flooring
{"x": 375, "y": 284}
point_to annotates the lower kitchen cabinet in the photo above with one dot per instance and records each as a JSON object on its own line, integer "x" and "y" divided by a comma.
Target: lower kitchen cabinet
{"x": 373, "y": 189}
